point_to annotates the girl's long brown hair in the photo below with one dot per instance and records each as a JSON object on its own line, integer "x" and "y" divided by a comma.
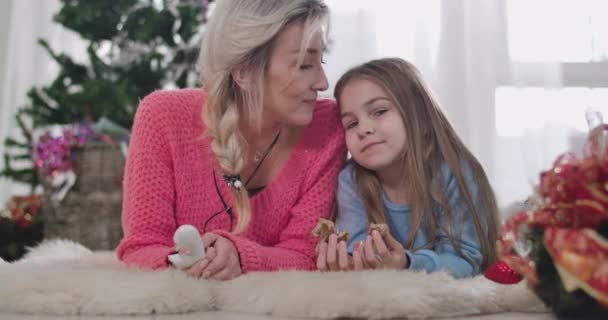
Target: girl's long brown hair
{"x": 431, "y": 143}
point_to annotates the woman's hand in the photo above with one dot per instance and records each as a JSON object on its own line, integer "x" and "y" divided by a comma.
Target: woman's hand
{"x": 378, "y": 252}
{"x": 221, "y": 260}
{"x": 332, "y": 255}
{"x": 196, "y": 270}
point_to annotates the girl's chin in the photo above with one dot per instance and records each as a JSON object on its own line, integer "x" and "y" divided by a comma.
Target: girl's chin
{"x": 373, "y": 164}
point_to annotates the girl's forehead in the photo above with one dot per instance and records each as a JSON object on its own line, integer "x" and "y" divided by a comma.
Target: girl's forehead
{"x": 361, "y": 90}
{"x": 360, "y": 97}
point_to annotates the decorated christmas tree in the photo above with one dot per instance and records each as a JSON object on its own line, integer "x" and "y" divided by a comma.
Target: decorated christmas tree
{"x": 134, "y": 47}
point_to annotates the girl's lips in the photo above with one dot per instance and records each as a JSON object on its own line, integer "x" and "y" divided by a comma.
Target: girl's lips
{"x": 369, "y": 145}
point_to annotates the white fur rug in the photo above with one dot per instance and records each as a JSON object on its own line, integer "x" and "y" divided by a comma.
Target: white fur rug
{"x": 64, "y": 278}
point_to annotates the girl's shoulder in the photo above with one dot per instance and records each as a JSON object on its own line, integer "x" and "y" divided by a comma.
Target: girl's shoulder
{"x": 346, "y": 176}
{"x": 347, "y": 190}
{"x": 448, "y": 176}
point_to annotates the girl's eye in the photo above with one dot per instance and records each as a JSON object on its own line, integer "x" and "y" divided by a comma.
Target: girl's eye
{"x": 306, "y": 67}
{"x": 379, "y": 112}
{"x": 351, "y": 125}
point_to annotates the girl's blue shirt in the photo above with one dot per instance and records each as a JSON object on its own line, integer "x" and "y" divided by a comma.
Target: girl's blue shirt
{"x": 442, "y": 256}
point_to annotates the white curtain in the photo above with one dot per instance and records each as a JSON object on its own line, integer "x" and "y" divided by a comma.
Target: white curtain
{"x": 462, "y": 49}
{"x": 24, "y": 64}
{"x": 473, "y": 58}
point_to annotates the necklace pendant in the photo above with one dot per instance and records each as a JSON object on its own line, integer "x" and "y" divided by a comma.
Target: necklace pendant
{"x": 257, "y": 156}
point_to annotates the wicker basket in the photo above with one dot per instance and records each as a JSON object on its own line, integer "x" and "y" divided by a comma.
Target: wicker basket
{"x": 98, "y": 167}
{"x": 90, "y": 212}
{"x": 92, "y": 220}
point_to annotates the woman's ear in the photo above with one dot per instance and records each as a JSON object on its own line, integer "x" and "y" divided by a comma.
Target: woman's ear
{"x": 241, "y": 77}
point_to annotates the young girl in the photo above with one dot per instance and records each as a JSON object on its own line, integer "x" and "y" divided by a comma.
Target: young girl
{"x": 410, "y": 172}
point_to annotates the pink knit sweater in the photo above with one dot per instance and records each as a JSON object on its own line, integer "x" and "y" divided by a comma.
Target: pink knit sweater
{"x": 169, "y": 182}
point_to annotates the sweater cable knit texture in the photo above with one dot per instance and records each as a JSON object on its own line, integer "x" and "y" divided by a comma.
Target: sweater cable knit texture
{"x": 168, "y": 182}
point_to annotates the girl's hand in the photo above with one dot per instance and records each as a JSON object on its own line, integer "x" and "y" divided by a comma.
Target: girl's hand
{"x": 379, "y": 252}
{"x": 221, "y": 261}
{"x": 332, "y": 255}
{"x": 358, "y": 257}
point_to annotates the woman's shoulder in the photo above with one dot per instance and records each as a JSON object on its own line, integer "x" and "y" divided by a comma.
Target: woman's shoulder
{"x": 326, "y": 110}
{"x": 325, "y": 125}
{"x": 173, "y": 103}
{"x": 172, "y": 110}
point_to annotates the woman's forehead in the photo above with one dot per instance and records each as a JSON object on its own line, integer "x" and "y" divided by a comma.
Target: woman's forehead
{"x": 292, "y": 40}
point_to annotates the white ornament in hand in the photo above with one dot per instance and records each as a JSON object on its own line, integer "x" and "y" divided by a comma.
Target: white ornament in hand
{"x": 189, "y": 247}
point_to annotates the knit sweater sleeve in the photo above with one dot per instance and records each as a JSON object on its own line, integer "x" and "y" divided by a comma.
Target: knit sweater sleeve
{"x": 295, "y": 249}
{"x": 147, "y": 214}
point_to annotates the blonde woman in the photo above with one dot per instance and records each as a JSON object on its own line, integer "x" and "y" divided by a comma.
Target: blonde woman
{"x": 251, "y": 159}
{"x": 410, "y": 171}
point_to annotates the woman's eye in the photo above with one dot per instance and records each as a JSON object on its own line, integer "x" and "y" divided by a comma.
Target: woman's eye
{"x": 306, "y": 67}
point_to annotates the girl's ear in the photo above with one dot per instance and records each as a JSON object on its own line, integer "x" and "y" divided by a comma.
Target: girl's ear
{"x": 241, "y": 77}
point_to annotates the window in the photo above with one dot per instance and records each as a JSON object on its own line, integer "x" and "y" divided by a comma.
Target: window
{"x": 559, "y": 56}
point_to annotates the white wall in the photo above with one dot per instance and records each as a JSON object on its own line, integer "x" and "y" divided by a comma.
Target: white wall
{"x": 5, "y": 21}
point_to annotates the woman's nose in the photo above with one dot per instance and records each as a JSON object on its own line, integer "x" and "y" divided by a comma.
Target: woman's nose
{"x": 321, "y": 83}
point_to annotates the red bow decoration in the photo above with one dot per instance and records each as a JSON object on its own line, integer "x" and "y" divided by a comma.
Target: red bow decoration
{"x": 575, "y": 203}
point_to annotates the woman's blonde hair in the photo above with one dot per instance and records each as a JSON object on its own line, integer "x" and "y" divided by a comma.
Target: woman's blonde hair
{"x": 431, "y": 143}
{"x": 240, "y": 36}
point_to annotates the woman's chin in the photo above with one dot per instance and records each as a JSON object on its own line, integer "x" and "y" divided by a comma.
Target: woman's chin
{"x": 300, "y": 119}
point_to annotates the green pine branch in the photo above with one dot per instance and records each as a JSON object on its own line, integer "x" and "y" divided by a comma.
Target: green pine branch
{"x": 158, "y": 42}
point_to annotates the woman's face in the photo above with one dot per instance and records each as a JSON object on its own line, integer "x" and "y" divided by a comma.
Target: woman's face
{"x": 290, "y": 89}
{"x": 374, "y": 130}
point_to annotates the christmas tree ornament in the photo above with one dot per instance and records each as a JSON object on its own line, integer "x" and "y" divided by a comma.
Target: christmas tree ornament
{"x": 500, "y": 272}
{"x": 22, "y": 210}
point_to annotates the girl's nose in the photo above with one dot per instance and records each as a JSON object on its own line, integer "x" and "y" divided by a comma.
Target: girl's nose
{"x": 366, "y": 130}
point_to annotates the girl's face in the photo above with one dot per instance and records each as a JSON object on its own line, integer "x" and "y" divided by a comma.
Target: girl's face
{"x": 290, "y": 89}
{"x": 375, "y": 134}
